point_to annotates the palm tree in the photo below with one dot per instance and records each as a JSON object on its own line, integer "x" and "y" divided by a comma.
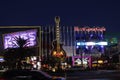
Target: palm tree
{"x": 21, "y": 42}
{"x": 21, "y": 52}
{"x": 18, "y": 53}
{"x": 10, "y": 58}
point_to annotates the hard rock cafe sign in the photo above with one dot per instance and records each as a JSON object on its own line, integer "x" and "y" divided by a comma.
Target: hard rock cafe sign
{"x": 88, "y": 29}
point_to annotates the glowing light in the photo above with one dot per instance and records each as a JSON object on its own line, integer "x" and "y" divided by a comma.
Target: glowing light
{"x": 57, "y": 54}
{"x": 92, "y": 43}
{"x": 80, "y": 43}
{"x": 100, "y": 61}
{"x": 102, "y": 43}
{"x": 1, "y": 60}
{"x": 77, "y": 46}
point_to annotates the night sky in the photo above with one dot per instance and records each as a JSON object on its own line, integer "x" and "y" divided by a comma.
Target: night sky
{"x": 72, "y": 13}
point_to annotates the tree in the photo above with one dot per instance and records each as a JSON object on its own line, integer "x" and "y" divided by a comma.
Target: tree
{"x": 14, "y": 56}
{"x": 10, "y": 58}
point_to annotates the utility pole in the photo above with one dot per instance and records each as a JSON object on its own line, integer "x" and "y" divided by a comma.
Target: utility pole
{"x": 39, "y": 43}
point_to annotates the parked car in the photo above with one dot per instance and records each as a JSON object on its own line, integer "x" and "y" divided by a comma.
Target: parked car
{"x": 28, "y": 75}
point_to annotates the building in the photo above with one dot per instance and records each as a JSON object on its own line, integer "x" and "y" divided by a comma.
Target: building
{"x": 75, "y": 40}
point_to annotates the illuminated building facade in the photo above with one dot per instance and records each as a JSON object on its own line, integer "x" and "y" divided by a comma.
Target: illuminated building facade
{"x": 90, "y": 40}
{"x": 74, "y": 37}
{"x": 78, "y": 42}
{"x": 89, "y": 43}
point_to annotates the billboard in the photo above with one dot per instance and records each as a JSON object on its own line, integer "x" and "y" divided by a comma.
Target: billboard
{"x": 9, "y": 38}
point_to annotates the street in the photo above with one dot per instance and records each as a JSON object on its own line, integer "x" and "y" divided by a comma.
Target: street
{"x": 92, "y": 75}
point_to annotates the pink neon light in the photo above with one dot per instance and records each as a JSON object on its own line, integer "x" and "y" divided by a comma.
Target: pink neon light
{"x": 89, "y": 29}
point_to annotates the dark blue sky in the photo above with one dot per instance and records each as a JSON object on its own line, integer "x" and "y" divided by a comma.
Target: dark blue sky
{"x": 72, "y": 12}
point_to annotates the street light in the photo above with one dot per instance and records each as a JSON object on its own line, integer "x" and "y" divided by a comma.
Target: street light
{"x": 40, "y": 42}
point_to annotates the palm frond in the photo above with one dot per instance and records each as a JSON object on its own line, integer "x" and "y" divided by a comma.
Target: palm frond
{"x": 21, "y": 42}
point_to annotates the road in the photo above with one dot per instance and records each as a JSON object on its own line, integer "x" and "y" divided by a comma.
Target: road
{"x": 92, "y": 75}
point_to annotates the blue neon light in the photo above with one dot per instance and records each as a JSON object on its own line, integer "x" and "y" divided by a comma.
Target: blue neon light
{"x": 103, "y": 43}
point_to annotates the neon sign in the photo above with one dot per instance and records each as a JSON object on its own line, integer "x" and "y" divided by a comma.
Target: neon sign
{"x": 85, "y": 60}
{"x": 102, "y": 43}
{"x": 9, "y": 39}
{"x": 88, "y": 29}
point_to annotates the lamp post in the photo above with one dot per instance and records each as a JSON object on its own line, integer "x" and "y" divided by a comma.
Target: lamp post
{"x": 40, "y": 44}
